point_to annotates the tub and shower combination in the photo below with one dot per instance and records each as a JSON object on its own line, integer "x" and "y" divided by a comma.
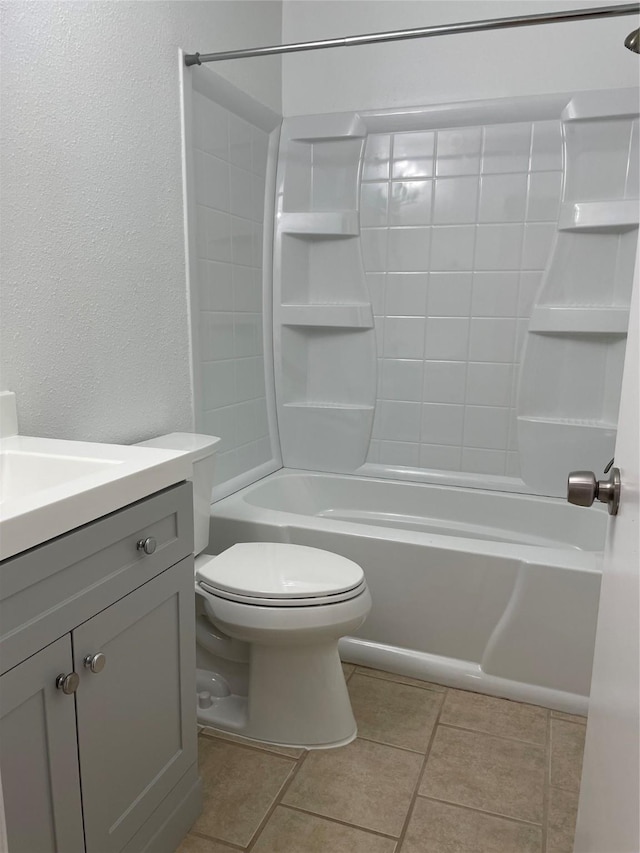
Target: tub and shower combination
{"x": 496, "y": 593}
{"x": 413, "y": 376}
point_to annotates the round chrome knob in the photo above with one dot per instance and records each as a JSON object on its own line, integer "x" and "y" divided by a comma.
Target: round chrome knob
{"x": 147, "y": 545}
{"x": 68, "y": 683}
{"x": 96, "y": 663}
{"x": 582, "y": 488}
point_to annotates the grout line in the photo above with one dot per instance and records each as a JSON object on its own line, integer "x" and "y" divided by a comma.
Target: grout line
{"x": 427, "y": 684}
{"x": 483, "y": 811}
{"x": 416, "y": 178}
{"x": 575, "y": 791}
{"x": 470, "y": 314}
{"x": 491, "y": 734}
{"x": 276, "y": 801}
{"x": 261, "y": 749}
{"x": 421, "y": 774}
{"x": 232, "y": 845}
{"x": 580, "y": 722}
{"x": 546, "y": 784}
{"x": 548, "y": 767}
{"x": 340, "y": 822}
{"x": 391, "y": 745}
{"x": 347, "y": 677}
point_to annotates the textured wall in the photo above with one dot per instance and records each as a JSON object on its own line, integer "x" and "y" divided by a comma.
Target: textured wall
{"x": 543, "y": 59}
{"x": 95, "y": 337}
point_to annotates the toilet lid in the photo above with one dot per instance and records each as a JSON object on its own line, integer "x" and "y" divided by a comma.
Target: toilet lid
{"x": 274, "y": 570}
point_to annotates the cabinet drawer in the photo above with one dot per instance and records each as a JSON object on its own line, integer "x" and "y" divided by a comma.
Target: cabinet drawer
{"x": 51, "y": 589}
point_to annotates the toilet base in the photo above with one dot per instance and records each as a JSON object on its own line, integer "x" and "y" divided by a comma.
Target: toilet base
{"x": 297, "y": 696}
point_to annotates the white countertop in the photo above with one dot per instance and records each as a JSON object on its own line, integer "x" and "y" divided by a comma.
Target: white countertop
{"x": 49, "y": 486}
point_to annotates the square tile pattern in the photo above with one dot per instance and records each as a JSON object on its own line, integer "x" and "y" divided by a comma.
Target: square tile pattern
{"x": 230, "y": 163}
{"x": 457, "y": 227}
{"x": 433, "y": 770}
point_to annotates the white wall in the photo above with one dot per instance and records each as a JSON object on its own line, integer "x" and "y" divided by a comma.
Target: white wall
{"x": 95, "y": 334}
{"x": 543, "y": 59}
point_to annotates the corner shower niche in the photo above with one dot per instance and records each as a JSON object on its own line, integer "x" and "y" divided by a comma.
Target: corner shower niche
{"x": 572, "y": 366}
{"x": 324, "y": 342}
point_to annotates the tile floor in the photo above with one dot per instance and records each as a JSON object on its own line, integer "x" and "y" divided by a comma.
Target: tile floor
{"x": 433, "y": 770}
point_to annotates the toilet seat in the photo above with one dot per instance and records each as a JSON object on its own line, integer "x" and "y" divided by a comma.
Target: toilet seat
{"x": 275, "y": 574}
{"x": 310, "y": 601}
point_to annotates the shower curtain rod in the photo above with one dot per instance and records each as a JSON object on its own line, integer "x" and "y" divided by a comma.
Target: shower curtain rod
{"x": 423, "y": 32}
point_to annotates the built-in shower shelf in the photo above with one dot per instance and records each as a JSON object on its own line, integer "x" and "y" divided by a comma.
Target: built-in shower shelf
{"x": 588, "y": 320}
{"x": 330, "y": 127}
{"x": 325, "y": 436}
{"x": 339, "y": 223}
{"x": 347, "y": 316}
{"x": 551, "y": 447}
{"x": 615, "y": 216}
{"x": 562, "y": 423}
{"x": 337, "y": 407}
{"x": 602, "y": 104}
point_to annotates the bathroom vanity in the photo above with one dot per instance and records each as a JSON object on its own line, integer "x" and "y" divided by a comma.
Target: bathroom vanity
{"x": 97, "y": 718}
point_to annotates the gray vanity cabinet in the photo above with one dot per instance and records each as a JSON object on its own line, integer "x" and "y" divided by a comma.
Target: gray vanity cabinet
{"x": 110, "y": 767}
{"x": 39, "y": 755}
{"x": 135, "y": 744}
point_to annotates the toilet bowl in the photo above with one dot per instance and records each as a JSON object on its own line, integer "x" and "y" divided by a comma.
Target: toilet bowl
{"x": 268, "y": 620}
{"x": 289, "y": 605}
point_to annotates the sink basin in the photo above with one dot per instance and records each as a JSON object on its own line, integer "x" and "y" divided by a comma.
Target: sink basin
{"x": 23, "y": 473}
{"x": 49, "y": 486}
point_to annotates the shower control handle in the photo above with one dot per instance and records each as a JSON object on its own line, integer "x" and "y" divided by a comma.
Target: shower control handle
{"x": 583, "y": 489}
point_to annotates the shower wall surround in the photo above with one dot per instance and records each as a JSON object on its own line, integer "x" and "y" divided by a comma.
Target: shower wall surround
{"x": 451, "y": 288}
{"x": 455, "y": 239}
{"x": 228, "y": 139}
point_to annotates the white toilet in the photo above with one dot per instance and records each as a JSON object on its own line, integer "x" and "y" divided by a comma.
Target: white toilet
{"x": 268, "y": 619}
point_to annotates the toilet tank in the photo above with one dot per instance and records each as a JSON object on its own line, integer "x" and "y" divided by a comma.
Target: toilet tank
{"x": 201, "y": 450}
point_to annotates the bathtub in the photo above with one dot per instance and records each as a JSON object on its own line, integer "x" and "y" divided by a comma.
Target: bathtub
{"x": 485, "y": 591}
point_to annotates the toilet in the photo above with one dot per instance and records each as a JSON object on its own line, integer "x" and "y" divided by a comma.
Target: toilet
{"x": 268, "y": 619}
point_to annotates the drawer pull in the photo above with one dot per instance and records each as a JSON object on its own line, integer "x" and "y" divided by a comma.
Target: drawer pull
{"x": 147, "y": 545}
{"x": 95, "y": 663}
{"x": 68, "y": 683}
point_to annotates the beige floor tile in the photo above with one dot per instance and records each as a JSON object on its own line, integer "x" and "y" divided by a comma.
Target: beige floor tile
{"x": 567, "y": 746}
{"x": 240, "y": 786}
{"x": 396, "y": 714}
{"x": 561, "y": 820}
{"x": 348, "y": 669}
{"x": 400, "y": 679}
{"x": 291, "y": 751}
{"x": 569, "y": 718}
{"x": 288, "y": 831}
{"x": 485, "y": 772}
{"x": 495, "y": 716}
{"x": 195, "y": 844}
{"x": 366, "y": 784}
{"x": 442, "y": 828}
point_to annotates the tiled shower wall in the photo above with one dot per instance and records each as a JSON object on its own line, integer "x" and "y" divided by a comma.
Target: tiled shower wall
{"x": 457, "y": 226}
{"x": 230, "y": 161}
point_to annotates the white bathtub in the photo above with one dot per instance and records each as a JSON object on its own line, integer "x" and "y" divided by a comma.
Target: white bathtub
{"x": 486, "y": 591}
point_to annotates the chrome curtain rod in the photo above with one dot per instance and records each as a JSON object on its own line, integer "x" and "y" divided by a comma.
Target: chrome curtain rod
{"x": 423, "y": 32}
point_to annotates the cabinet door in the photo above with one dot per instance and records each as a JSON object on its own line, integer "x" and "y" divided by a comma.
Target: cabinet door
{"x": 39, "y": 755}
{"x": 136, "y": 718}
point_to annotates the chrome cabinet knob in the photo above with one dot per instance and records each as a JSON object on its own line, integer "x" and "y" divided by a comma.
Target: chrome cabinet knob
{"x": 96, "y": 663}
{"x": 147, "y": 545}
{"x": 68, "y": 683}
{"x": 583, "y": 489}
